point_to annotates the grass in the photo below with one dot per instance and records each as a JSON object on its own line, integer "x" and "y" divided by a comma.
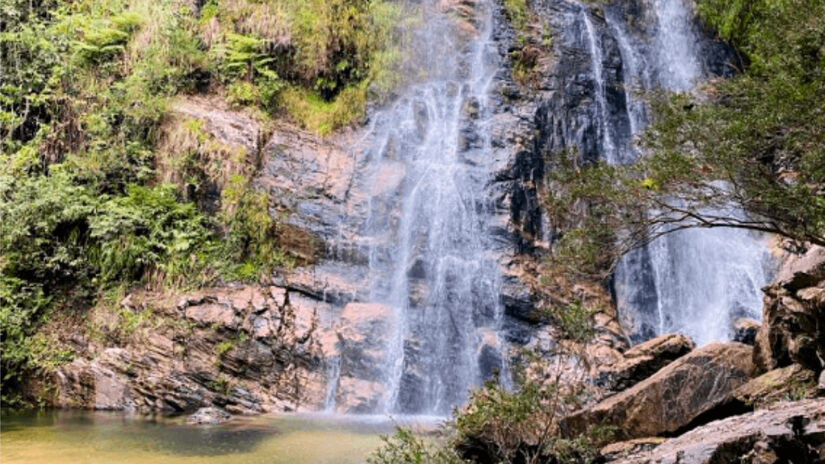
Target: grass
{"x": 321, "y": 116}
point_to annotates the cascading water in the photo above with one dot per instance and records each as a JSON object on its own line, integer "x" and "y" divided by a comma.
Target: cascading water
{"x": 696, "y": 281}
{"x": 427, "y": 236}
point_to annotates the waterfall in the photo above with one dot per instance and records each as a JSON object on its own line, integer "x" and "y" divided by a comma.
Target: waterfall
{"x": 609, "y": 152}
{"x": 695, "y": 282}
{"x": 428, "y": 228}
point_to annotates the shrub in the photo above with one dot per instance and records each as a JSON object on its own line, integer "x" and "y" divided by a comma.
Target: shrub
{"x": 407, "y": 448}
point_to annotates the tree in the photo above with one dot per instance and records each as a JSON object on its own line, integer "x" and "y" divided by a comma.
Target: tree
{"x": 748, "y": 152}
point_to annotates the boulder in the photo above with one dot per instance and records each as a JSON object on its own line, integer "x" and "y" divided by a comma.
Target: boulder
{"x": 643, "y": 360}
{"x": 690, "y": 390}
{"x": 777, "y": 385}
{"x": 788, "y": 432}
{"x": 208, "y": 416}
{"x": 803, "y": 271}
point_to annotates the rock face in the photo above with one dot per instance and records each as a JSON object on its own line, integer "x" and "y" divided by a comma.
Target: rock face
{"x": 643, "y": 360}
{"x": 687, "y": 391}
{"x": 362, "y": 332}
{"x": 247, "y": 349}
{"x": 784, "y": 433}
{"x": 93, "y": 384}
{"x": 793, "y": 328}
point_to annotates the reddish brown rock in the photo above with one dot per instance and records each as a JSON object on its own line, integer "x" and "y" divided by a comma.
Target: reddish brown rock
{"x": 675, "y": 397}
{"x": 622, "y": 449}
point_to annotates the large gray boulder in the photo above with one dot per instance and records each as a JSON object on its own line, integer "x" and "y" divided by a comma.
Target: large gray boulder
{"x": 788, "y": 432}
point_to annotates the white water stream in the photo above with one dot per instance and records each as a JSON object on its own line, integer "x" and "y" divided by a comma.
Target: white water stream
{"x": 429, "y": 221}
{"x": 696, "y": 281}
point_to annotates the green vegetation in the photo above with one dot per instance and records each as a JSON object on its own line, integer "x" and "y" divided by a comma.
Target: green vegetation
{"x": 405, "y": 447}
{"x": 518, "y": 13}
{"x": 754, "y": 141}
{"x": 102, "y": 187}
{"x": 534, "y": 40}
{"x": 311, "y": 58}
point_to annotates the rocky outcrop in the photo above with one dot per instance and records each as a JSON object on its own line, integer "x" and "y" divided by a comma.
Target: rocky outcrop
{"x": 93, "y": 385}
{"x": 643, "y": 360}
{"x": 785, "y": 433}
{"x": 688, "y": 391}
{"x": 793, "y": 327}
{"x": 245, "y": 349}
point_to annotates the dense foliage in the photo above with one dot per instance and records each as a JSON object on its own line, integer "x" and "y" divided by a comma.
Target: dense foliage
{"x": 753, "y": 142}
{"x": 102, "y": 187}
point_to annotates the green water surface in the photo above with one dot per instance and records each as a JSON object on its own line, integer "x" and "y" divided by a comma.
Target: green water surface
{"x": 84, "y": 437}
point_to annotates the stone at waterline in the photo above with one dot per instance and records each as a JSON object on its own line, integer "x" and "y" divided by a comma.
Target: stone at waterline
{"x": 644, "y": 360}
{"x": 691, "y": 389}
{"x": 209, "y": 416}
{"x": 93, "y": 385}
{"x": 788, "y": 432}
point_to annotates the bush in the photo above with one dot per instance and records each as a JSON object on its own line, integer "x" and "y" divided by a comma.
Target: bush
{"x": 407, "y": 448}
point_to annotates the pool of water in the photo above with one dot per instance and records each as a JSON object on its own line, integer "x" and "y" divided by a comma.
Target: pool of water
{"x": 85, "y": 437}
